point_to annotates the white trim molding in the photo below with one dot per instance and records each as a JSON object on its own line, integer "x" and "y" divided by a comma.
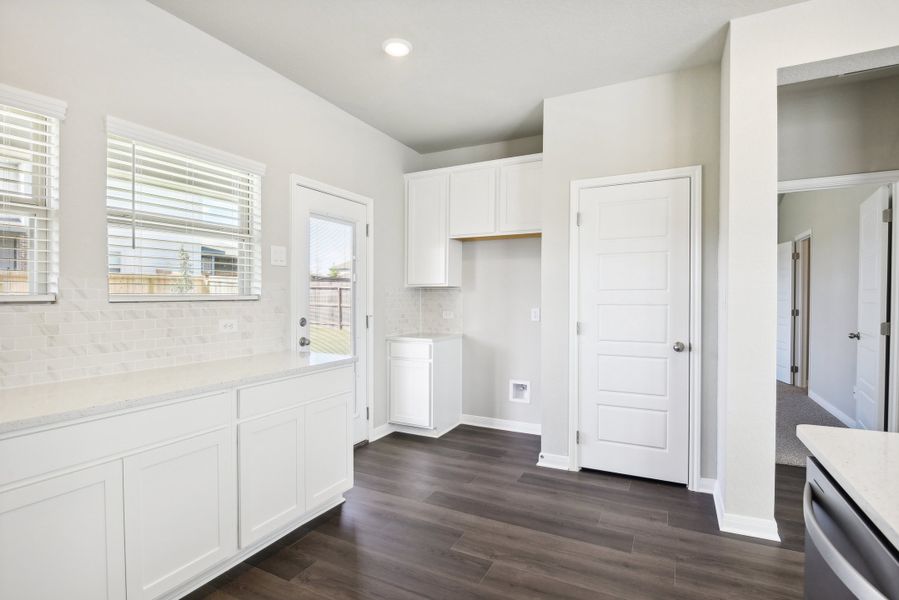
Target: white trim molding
{"x": 694, "y": 173}
{"x": 706, "y": 485}
{"x": 503, "y": 424}
{"x": 833, "y": 410}
{"x": 554, "y": 461}
{"x": 765, "y": 529}
{"x": 380, "y": 431}
{"x": 38, "y": 103}
{"x": 837, "y": 181}
{"x": 167, "y": 141}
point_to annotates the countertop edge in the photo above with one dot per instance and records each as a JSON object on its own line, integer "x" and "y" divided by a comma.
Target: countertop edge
{"x": 888, "y": 529}
{"x": 13, "y": 426}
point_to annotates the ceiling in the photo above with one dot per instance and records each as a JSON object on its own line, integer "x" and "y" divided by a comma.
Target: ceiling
{"x": 480, "y": 69}
{"x": 867, "y": 66}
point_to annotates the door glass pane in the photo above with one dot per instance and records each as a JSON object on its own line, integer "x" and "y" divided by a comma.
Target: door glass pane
{"x": 331, "y": 290}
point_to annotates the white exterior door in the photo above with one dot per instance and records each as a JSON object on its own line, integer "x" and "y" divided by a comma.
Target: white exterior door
{"x": 870, "y": 373}
{"x": 785, "y": 312}
{"x": 332, "y": 289}
{"x": 634, "y": 343}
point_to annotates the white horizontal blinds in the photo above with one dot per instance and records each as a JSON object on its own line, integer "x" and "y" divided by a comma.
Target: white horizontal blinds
{"x": 179, "y": 226}
{"x": 29, "y": 199}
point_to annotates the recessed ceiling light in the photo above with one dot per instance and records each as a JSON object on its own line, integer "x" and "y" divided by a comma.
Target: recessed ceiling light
{"x": 397, "y": 47}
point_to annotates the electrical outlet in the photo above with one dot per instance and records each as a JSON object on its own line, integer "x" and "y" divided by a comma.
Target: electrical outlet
{"x": 227, "y": 325}
{"x": 535, "y": 314}
{"x": 448, "y": 314}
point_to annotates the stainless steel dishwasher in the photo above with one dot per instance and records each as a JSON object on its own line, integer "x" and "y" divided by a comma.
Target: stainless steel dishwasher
{"x": 846, "y": 556}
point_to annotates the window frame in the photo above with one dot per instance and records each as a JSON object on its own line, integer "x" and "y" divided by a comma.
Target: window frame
{"x": 49, "y": 108}
{"x": 139, "y": 134}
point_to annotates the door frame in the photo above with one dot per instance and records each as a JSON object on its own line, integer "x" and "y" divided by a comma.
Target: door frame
{"x": 801, "y": 323}
{"x": 890, "y": 178}
{"x": 694, "y": 174}
{"x": 299, "y": 181}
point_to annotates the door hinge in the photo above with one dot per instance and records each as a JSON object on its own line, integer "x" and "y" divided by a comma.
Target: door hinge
{"x": 577, "y": 437}
{"x": 795, "y": 256}
{"x": 795, "y": 312}
{"x": 367, "y": 413}
{"x": 578, "y": 328}
{"x": 794, "y": 369}
{"x": 888, "y": 215}
{"x": 885, "y": 328}
{"x": 577, "y": 219}
{"x": 367, "y": 321}
{"x": 367, "y": 230}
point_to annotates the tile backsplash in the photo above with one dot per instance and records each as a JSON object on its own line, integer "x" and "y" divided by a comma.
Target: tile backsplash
{"x": 84, "y": 335}
{"x": 436, "y": 302}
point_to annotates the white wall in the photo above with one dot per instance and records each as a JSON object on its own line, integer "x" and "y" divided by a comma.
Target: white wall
{"x": 851, "y": 127}
{"x": 757, "y": 46}
{"x": 470, "y": 154}
{"x": 130, "y": 59}
{"x": 832, "y": 217}
{"x": 660, "y": 122}
{"x": 500, "y": 285}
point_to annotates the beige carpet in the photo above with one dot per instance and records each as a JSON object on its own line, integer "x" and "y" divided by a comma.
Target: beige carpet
{"x": 794, "y": 408}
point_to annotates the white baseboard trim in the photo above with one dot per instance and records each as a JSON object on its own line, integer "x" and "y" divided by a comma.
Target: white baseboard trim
{"x": 843, "y": 417}
{"x": 380, "y": 431}
{"x": 765, "y": 529}
{"x": 553, "y": 461}
{"x": 422, "y": 431}
{"x": 504, "y": 424}
{"x": 706, "y": 485}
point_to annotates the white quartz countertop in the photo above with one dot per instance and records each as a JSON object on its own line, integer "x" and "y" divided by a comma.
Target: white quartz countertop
{"x": 424, "y": 337}
{"x": 866, "y": 465}
{"x": 44, "y": 404}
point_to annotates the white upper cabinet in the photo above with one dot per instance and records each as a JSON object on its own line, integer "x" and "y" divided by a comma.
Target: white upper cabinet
{"x": 432, "y": 259}
{"x": 521, "y": 187}
{"x": 473, "y": 202}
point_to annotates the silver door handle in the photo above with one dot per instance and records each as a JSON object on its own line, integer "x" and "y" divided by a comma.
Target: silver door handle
{"x": 842, "y": 568}
{"x": 855, "y": 336}
{"x": 678, "y": 347}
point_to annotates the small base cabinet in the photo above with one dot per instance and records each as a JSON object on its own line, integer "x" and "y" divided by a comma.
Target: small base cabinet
{"x": 64, "y": 538}
{"x": 143, "y": 503}
{"x": 424, "y": 381}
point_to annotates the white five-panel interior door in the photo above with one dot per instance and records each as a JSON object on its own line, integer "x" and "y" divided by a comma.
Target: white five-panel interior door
{"x": 634, "y": 322}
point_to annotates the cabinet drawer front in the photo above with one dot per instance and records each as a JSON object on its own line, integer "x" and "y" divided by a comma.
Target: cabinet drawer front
{"x": 419, "y": 350}
{"x": 35, "y": 454}
{"x": 269, "y": 397}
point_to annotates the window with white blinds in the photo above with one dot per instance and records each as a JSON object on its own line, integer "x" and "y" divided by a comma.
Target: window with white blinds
{"x": 29, "y": 195}
{"x": 181, "y": 225}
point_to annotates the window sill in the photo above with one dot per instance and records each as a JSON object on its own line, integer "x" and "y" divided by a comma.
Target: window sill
{"x": 179, "y": 298}
{"x": 37, "y": 299}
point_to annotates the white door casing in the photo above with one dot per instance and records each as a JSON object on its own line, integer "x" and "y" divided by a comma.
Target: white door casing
{"x": 634, "y": 306}
{"x": 785, "y": 312}
{"x": 312, "y": 198}
{"x": 870, "y": 374}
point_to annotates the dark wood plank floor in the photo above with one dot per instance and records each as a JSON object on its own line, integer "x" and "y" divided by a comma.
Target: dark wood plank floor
{"x": 471, "y": 516}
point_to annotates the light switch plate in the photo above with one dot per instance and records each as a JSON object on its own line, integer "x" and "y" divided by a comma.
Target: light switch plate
{"x": 227, "y": 325}
{"x": 448, "y": 314}
{"x": 279, "y": 256}
{"x": 535, "y": 314}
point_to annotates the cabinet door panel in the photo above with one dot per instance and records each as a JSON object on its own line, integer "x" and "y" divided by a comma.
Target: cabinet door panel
{"x": 427, "y": 236}
{"x": 473, "y": 202}
{"x": 521, "y": 190}
{"x": 63, "y": 537}
{"x": 329, "y": 456}
{"x": 272, "y": 492}
{"x": 180, "y": 513}
{"x": 410, "y": 392}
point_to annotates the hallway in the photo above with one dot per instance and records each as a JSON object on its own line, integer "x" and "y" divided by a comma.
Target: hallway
{"x": 794, "y": 408}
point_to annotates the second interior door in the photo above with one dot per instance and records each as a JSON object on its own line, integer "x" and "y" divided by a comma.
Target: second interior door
{"x": 634, "y": 316}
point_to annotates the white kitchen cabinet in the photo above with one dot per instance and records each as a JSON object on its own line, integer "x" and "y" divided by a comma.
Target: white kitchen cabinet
{"x": 180, "y": 512}
{"x": 521, "y": 190}
{"x": 432, "y": 259}
{"x": 472, "y": 203}
{"x": 63, "y": 537}
{"x": 329, "y": 449}
{"x": 424, "y": 381}
{"x": 272, "y": 467}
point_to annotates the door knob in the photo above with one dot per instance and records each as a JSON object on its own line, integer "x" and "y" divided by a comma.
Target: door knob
{"x": 855, "y": 336}
{"x": 679, "y": 346}
{"x": 304, "y": 341}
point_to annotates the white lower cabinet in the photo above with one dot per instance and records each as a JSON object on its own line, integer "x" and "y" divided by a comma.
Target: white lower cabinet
{"x": 329, "y": 452}
{"x": 410, "y": 392}
{"x": 424, "y": 382}
{"x": 272, "y": 490}
{"x": 63, "y": 537}
{"x": 180, "y": 512}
